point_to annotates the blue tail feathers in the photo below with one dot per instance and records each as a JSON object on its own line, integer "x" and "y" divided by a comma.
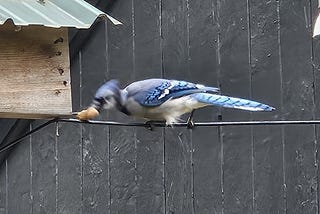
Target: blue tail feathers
{"x": 231, "y": 102}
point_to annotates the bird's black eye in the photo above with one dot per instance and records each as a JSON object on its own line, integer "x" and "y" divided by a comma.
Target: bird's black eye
{"x": 99, "y": 100}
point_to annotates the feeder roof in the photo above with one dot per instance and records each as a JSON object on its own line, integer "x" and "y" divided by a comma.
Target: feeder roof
{"x": 51, "y": 13}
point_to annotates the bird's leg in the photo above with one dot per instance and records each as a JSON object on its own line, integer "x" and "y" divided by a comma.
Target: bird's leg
{"x": 150, "y": 124}
{"x": 190, "y": 123}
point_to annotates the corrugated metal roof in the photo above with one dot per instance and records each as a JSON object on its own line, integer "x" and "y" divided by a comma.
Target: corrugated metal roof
{"x": 51, "y": 13}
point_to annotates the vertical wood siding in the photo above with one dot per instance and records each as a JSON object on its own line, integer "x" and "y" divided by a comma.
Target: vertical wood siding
{"x": 258, "y": 49}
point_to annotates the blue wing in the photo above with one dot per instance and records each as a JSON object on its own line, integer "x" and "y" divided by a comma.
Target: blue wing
{"x": 154, "y": 92}
{"x": 231, "y": 102}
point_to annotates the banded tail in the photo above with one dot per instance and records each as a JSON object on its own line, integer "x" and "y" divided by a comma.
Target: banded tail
{"x": 231, "y": 102}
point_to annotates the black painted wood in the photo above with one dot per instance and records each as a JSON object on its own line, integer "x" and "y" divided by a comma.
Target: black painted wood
{"x": 5, "y": 125}
{"x": 70, "y": 169}
{"x": 10, "y": 129}
{"x": 253, "y": 49}
{"x": 123, "y": 143}
{"x": 15, "y": 129}
{"x": 69, "y": 155}
{"x": 75, "y": 83}
{"x": 204, "y": 68}
{"x": 96, "y": 192}
{"x": 316, "y": 68}
{"x": 266, "y": 87}
{"x": 298, "y": 103}
{"x": 43, "y": 168}
{"x": 178, "y": 142}
{"x": 19, "y": 198}
{"x": 3, "y": 188}
{"x": 235, "y": 79}
{"x": 150, "y": 144}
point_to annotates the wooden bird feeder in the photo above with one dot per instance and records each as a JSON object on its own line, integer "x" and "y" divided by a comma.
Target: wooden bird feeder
{"x": 35, "y": 69}
{"x": 35, "y": 72}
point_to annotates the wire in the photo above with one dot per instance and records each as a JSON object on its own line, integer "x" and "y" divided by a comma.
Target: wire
{"x": 218, "y": 123}
{"x": 152, "y": 124}
{"x": 111, "y": 123}
{"x": 18, "y": 140}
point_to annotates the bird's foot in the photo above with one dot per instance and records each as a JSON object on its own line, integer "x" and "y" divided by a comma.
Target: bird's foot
{"x": 151, "y": 124}
{"x": 190, "y": 123}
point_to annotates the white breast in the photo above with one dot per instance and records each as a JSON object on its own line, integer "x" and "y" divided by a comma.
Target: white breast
{"x": 170, "y": 111}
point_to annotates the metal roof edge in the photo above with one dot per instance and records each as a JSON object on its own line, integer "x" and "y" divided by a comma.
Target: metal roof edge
{"x": 52, "y": 13}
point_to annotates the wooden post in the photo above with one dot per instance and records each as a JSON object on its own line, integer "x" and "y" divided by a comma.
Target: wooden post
{"x": 34, "y": 72}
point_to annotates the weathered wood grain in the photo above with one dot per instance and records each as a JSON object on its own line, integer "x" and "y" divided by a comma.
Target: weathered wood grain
{"x": 266, "y": 86}
{"x": 20, "y": 99}
{"x": 69, "y": 168}
{"x": 298, "y": 104}
{"x": 235, "y": 80}
{"x": 69, "y": 156}
{"x": 204, "y": 68}
{"x": 150, "y": 144}
{"x": 96, "y": 192}
{"x": 75, "y": 70}
{"x": 18, "y": 128}
{"x": 316, "y": 69}
{"x": 3, "y": 188}
{"x": 19, "y": 179}
{"x": 43, "y": 169}
{"x": 35, "y": 74}
{"x": 5, "y": 126}
{"x": 94, "y": 169}
{"x": 178, "y": 143}
{"x": 123, "y": 152}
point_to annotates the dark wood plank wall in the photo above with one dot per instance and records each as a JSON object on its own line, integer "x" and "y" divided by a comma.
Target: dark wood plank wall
{"x": 147, "y": 64}
{"x": 298, "y": 103}
{"x": 267, "y": 141}
{"x": 257, "y": 49}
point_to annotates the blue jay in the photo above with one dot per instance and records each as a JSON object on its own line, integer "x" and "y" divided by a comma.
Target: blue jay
{"x": 165, "y": 100}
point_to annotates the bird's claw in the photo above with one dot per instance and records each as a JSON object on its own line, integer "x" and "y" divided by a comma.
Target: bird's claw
{"x": 190, "y": 123}
{"x": 149, "y": 125}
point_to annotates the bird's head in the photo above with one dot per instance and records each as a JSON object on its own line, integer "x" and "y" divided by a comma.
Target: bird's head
{"x": 107, "y": 96}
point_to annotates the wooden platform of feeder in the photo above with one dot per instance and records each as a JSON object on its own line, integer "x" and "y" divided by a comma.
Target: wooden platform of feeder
{"x": 35, "y": 73}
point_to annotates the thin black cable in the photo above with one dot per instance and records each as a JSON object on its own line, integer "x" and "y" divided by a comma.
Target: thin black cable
{"x": 18, "y": 140}
{"x": 162, "y": 124}
{"x": 111, "y": 123}
{"x": 201, "y": 124}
